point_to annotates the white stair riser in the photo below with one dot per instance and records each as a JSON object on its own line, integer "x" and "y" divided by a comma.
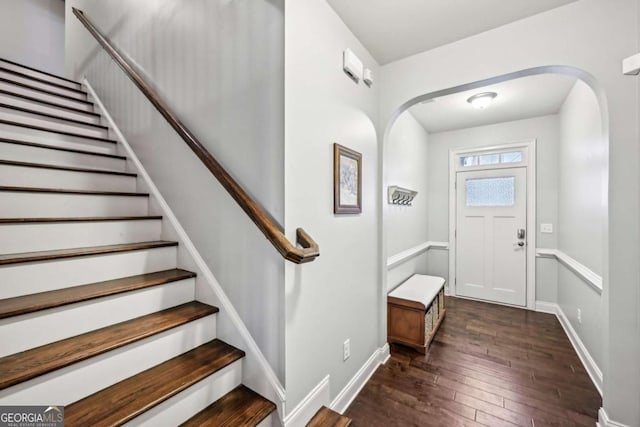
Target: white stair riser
{"x": 51, "y": 123}
{"x": 267, "y": 422}
{"x": 25, "y": 153}
{"x": 41, "y": 85}
{"x": 40, "y": 328}
{"x": 33, "y": 93}
{"x": 31, "y": 278}
{"x": 32, "y": 237}
{"x": 47, "y": 108}
{"x": 39, "y": 75}
{"x": 47, "y": 205}
{"x": 189, "y": 402}
{"x": 22, "y": 133}
{"x": 25, "y": 176}
{"x": 79, "y": 380}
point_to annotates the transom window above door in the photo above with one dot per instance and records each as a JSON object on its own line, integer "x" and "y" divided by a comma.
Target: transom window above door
{"x": 485, "y": 159}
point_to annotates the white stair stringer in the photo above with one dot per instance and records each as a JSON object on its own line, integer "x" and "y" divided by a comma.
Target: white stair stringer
{"x": 11, "y": 98}
{"x": 42, "y": 236}
{"x": 17, "y": 175}
{"x": 27, "y": 204}
{"x": 34, "y": 330}
{"x": 34, "y": 277}
{"x": 81, "y": 379}
{"x": 65, "y": 157}
{"x": 38, "y": 74}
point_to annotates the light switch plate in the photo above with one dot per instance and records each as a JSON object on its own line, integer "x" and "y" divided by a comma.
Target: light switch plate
{"x": 546, "y": 228}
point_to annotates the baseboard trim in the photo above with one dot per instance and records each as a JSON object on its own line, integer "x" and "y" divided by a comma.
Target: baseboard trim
{"x": 605, "y": 421}
{"x": 401, "y": 257}
{"x": 305, "y": 410}
{"x": 351, "y": 390}
{"x": 585, "y": 357}
{"x": 268, "y": 384}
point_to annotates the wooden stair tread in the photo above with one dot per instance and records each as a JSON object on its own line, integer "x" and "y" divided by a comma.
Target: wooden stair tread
{"x": 39, "y": 71}
{"x": 48, "y": 92}
{"x": 57, "y": 298}
{"x": 67, "y": 191}
{"x": 53, "y": 147}
{"x": 326, "y": 417}
{"x": 53, "y": 104}
{"x": 65, "y": 168}
{"x": 79, "y": 219}
{"x": 135, "y": 395}
{"x": 241, "y": 407}
{"x": 29, "y": 364}
{"x": 39, "y": 80}
{"x": 84, "y": 251}
{"x": 51, "y": 116}
{"x": 61, "y": 132}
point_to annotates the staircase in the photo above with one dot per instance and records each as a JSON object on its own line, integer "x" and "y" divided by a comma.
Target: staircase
{"x": 95, "y": 314}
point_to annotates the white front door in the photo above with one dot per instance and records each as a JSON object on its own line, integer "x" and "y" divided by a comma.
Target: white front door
{"x": 491, "y": 255}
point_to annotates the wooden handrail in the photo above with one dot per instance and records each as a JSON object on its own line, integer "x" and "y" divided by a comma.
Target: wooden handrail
{"x": 309, "y": 249}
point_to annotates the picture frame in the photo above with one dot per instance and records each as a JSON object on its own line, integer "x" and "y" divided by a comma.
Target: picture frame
{"x": 347, "y": 180}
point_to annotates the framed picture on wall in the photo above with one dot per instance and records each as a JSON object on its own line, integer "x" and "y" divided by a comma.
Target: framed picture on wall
{"x": 347, "y": 180}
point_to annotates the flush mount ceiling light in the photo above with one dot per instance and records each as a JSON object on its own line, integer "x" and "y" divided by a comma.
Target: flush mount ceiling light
{"x": 482, "y": 100}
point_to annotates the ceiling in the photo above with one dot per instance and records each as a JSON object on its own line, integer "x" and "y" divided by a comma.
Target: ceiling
{"x": 517, "y": 99}
{"x": 394, "y": 29}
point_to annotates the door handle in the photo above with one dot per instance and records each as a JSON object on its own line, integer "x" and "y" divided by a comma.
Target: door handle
{"x": 521, "y": 244}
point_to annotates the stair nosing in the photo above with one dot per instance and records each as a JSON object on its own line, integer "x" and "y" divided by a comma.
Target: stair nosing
{"x": 65, "y": 168}
{"x": 95, "y": 350}
{"x": 91, "y": 291}
{"x": 51, "y": 147}
{"x": 79, "y": 219}
{"x": 51, "y": 116}
{"x": 61, "y": 132}
{"x": 270, "y": 407}
{"x": 27, "y": 76}
{"x": 17, "y": 64}
{"x": 47, "y": 92}
{"x": 69, "y": 191}
{"x": 53, "y": 104}
{"x": 234, "y": 354}
{"x": 57, "y": 254}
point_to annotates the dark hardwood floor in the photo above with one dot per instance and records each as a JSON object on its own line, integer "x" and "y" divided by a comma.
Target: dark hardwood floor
{"x": 488, "y": 365}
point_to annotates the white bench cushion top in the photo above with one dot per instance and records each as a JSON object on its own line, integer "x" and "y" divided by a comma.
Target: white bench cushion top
{"x": 420, "y": 288}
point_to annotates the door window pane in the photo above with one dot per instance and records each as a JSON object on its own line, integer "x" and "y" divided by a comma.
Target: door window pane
{"x": 513, "y": 157}
{"x": 489, "y": 159}
{"x": 491, "y": 191}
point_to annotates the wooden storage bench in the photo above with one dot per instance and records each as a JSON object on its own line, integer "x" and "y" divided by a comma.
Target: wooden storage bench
{"x": 415, "y": 310}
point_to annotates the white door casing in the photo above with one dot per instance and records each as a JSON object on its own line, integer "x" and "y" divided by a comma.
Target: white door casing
{"x": 528, "y": 164}
{"x": 491, "y": 259}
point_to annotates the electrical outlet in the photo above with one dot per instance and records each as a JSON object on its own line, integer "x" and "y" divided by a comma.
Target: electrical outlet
{"x": 346, "y": 350}
{"x": 580, "y": 316}
{"x": 546, "y": 228}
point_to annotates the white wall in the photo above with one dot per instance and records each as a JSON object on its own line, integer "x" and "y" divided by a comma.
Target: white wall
{"x": 33, "y": 33}
{"x": 337, "y": 297}
{"x": 582, "y": 211}
{"x": 546, "y": 131}
{"x": 593, "y": 36}
{"x": 406, "y": 226}
{"x": 220, "y": 66}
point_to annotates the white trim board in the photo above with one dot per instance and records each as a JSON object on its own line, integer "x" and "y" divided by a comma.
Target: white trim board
{"x": 406, "y": 255}
{"x": 581, "y": 270}
{"x": 353, "y": 387}
{"x": 605, "y": 421}
{"x": 307, "y": 408}
{"x": 269, "y": 385}
{"x": 585, "y": 357}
